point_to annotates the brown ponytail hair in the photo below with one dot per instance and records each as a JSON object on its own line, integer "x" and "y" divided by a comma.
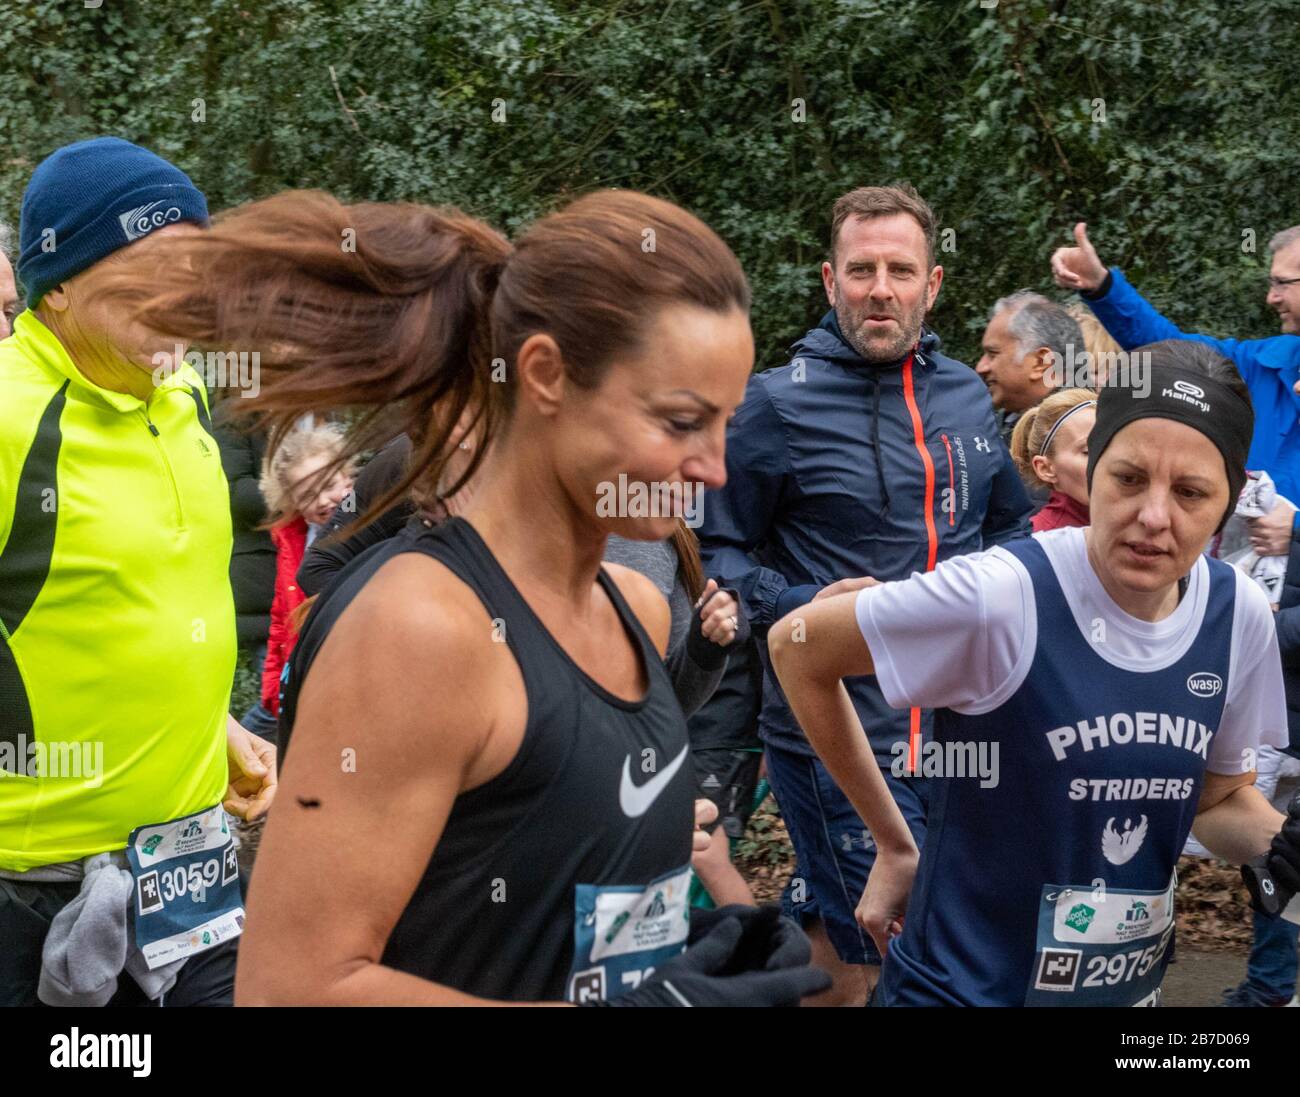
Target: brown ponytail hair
{"x": 417, "y": 313}
{"x": 687, "y": 546}
{"x": 1035, "y": 424}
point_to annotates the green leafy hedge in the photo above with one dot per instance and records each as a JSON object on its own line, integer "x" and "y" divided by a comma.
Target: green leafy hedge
{"x": 1168, "y": 124}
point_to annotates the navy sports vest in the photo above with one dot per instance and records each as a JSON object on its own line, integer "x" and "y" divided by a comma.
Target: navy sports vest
{"x": 1055, "y": 886}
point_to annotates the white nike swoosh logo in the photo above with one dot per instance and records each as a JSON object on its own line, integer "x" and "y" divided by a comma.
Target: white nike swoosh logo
{"x": 636, "y": 800}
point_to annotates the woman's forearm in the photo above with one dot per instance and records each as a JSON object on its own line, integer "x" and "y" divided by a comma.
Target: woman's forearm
{"x": 826, "y": 714}
{"x": 715, "y": 871}
{"x": 812, "y": 650}
{"x": 364, "y": 983}
{"x": 692, "y": 683}
{"x": 377, "y": 985}
{"x": 1239, "y": 827}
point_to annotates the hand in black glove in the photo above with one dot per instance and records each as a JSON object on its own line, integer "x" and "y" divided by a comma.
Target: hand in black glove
{"x": 768, "y": 942}
{"x": 700, "y": 977}
{"x": 1283, "y": 857}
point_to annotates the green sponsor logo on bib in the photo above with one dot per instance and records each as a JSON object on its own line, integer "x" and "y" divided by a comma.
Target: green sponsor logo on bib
{"x": 618, "y": 924}
{"x": 1080, "y": 917}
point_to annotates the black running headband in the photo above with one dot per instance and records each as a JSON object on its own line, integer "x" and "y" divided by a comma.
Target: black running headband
{"x": 1187, "y": 396}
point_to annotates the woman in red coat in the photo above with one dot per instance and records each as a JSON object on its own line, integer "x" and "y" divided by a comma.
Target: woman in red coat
{"x": 1050, "y": 446}
{"x": 301, "y": 492}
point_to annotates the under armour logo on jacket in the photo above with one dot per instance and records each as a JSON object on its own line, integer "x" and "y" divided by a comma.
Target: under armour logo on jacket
{"x": 981, "y": 446}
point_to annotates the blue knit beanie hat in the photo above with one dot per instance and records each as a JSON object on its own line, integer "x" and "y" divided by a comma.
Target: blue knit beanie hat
{"x": 88, "y": 199}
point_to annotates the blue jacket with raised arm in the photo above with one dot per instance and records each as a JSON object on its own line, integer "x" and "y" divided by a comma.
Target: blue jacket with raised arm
{"x": 1270, "y": 367}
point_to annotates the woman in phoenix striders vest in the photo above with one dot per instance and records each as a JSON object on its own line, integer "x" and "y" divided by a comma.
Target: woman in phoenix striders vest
{"x": 1100, "y": 692}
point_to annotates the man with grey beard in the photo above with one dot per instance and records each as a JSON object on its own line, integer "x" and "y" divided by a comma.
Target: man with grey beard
{"x": 868, "y": 457}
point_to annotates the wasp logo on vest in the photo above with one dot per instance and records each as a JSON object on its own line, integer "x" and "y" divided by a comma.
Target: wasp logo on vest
{"x": 1204, "y": 685}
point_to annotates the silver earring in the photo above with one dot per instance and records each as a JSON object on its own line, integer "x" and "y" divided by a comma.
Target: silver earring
{"x": 463, "y": 445}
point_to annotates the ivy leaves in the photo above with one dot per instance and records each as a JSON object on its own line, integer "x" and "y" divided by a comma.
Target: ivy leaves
{"x": 1167, "y": 124}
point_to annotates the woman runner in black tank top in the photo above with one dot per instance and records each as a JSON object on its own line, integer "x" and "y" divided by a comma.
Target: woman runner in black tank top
{"x": 598, "y": 792}
{"x": 488, "y": 796}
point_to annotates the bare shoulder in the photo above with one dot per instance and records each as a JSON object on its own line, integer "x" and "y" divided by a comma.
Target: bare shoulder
{"x": 650, "y": 607}
{"x": 415, "y": 609}
{"x": 412, "y": 661}
{"x": 420, "y": 593}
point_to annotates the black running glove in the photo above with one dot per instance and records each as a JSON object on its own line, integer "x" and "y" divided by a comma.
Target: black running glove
{"x": 698, "y": 977}
{"x": 768, "y": 942}
{"x": 1284, "y": 854}
{"x": 704, "y": 652}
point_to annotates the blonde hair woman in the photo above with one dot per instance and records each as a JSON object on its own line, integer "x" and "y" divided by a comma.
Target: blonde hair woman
{"x": 303, "y": 484}
{"x": 1050, "y": 447}
{"x": 1098, "y": 342}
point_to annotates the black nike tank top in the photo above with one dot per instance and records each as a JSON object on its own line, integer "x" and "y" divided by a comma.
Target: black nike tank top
{"x": 565, "y": 875}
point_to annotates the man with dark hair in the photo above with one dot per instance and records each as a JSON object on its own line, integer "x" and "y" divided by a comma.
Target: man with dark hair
{"x": 869, "y": 456}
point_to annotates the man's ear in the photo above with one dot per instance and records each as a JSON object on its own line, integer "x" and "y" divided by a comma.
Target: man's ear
{"x": 1040, "y": 364}
{"x": 54, "y": 299}
{"x": 540, "y": 369}
{"x": 932, "y": 288}
{"x": 828, "y": 280}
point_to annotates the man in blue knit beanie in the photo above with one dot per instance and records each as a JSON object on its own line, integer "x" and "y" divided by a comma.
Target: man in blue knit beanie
{"x": 118, "y": 757}
{"x": 86, "y": 202}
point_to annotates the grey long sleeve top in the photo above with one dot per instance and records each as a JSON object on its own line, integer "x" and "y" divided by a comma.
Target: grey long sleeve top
{"x": 657, "y": 561}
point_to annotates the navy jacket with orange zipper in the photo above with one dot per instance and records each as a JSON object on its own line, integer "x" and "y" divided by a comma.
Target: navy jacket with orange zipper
{"x": 838, "y": 469}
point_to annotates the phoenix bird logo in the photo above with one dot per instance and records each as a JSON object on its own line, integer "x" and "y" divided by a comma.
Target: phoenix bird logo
{"x": 1119, "y": 847}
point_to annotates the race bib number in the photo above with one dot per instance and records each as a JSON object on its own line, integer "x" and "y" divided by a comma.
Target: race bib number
{"x": 621, "y": 934}
{"x": 1101, "y": 947}
{"x": 187, "y": 897}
